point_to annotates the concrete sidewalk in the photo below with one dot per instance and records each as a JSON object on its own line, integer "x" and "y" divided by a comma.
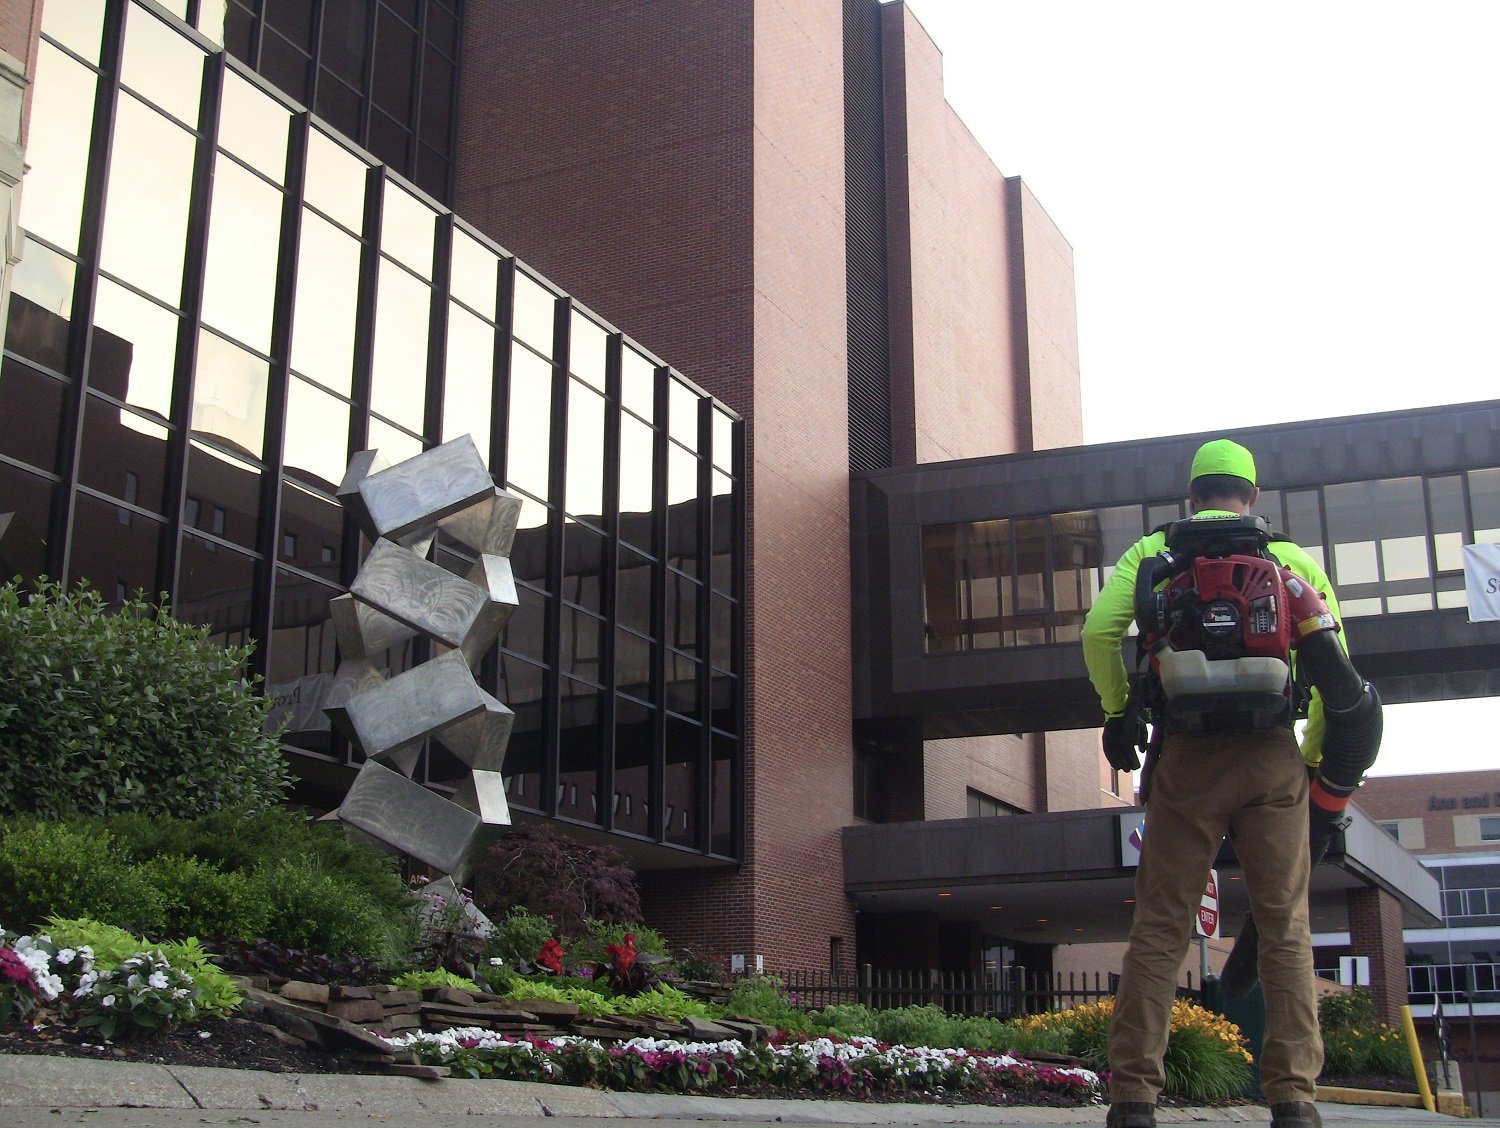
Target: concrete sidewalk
{"x": 38, "y": 1089}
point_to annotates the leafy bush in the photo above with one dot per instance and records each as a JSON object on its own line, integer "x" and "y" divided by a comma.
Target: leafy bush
{"x": 586, "y": 1000}
{"x": 663, "y": 999}
{"x": 125, "y": 709}
{"x": 518, "y": 937}
{"x": 764, "y": 997}
{"x": 1081, "y": 1032}
{"x": 542, "y": 869}
{"x": 300, "y": 885}
{"x": 58, "y": 869}
{"x": 1355, "y": 1041}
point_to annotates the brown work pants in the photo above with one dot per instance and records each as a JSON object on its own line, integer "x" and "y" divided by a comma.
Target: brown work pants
{"x": 1254, "y": 787}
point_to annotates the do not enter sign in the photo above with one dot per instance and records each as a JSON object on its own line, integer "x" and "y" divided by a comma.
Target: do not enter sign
{"x": 1208, "y": 908}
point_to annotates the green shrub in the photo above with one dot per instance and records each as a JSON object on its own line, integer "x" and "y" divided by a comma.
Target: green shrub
{"x": 663, "y": 999}
{"x": 590, "y": 947}
{"x": 307, "y": 907}
{"x": 1355, "y": 1041}
{"x": 519, "y": 936}
{"x": 57, "y": 869}
{"x": 202, "y": 900}
{"x": 845, "y": 1020}
{"x": 764, "y": 997}
{"x": 588, "y": 1001}
{"x": 125, "y": 709}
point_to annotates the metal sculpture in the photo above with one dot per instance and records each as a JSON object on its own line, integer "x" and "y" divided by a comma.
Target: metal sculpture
{"x": 397, "y": 595}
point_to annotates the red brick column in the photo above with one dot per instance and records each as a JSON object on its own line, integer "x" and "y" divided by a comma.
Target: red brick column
{"x": 1375, "y": 931}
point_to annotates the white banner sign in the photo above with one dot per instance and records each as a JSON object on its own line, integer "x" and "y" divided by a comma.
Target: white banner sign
{"x": 1482, "y": 579}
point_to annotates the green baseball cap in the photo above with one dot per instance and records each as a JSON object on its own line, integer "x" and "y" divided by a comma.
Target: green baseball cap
{"x": 1224, "y": 456}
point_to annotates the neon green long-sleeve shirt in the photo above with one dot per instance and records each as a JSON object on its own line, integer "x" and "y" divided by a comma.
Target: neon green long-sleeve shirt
{"x": 1114, "y": 610}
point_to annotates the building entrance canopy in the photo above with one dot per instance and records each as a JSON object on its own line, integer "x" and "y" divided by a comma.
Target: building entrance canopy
{"x": 1068, "y": 877}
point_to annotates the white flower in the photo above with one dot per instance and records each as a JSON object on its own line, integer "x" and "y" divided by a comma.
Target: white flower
{"x": 158, "y": 980}
{"x": 496, "y": 961}
{"x": 49, "y": 985}
{"x": 205, "y": 1034}
{"x": 135, "y": 980}
{"x": 107, "y": 1001}
{"x": 65, "y": 955}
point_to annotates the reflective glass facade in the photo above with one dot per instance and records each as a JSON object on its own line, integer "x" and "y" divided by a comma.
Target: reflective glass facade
{"x": 1389, "y": 545}
{"x": 221, "y": 300}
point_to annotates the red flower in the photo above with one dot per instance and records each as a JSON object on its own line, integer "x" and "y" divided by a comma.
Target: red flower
{"x": 551, "y": 955}
{"x": 622, "y": 953}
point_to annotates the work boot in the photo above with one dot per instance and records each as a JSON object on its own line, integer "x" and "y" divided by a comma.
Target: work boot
{"x": 1132, "y": 1114}
{"x": 1295, "y": 1114}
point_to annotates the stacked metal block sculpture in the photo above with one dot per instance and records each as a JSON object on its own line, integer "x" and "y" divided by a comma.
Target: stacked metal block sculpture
{"x": 397, "y": 595}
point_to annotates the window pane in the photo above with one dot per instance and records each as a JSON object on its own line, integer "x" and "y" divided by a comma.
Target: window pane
{"x": 638, "y": 384}
{"x": 682, "y": 782}
{"x": 407, "y": 227}
{"x": 57, "y": 146}
{"x": 396, "y": 444}
{"x": 161, "y": 65}
{"x": 284, "y": 64}
{"x": 41, "y": 304}
{"x": 145, "y": 215}
{"x": 228, "y": 490}
{"x": 636, "y": 480}
{"x": 335, "y": 181}
{"x": 398, "y": 381}
{"x": 253, "y": 126}
{"x": 472, "y": 274}
{"x": 682, "y": 509}
{"x": 338, "y": 103}
{"x": 469, "y": 379}
{"x": 77, "y": 25}
{"x": 135, "y": 343}
{"x": 585, "y": 483}
{"x": 725, "y": 537}
{"x": 113, "y": 549}
{"x": 395, "y": 59}
{"x": 215, "y": 586}
{"x": 301, "y": 660}
{"x": 528, "y": 422}
{"x": 32, "y": 406}
{"x": 582, "y": 638}
{"x": 437, "y": 99}
{"x": 635, "y": 746}
{"x": 633, "y": 592}
{"x": 122, "y": 454}
{"x": 532, "y": 315}
{"x": 583, "y": 562}
{"x": 229, "y": 394}
{"x": 1484, "y": 501}
{"x": 682, "y": 411}
{"x": 725, "y": 755}
{"x": 1446, "y": 517}
{"x": 586, "y": 351}
{"x": 244, "y": 232}
{"x": 323, "y": 325}
{"x": 632, "y": 663}
{"x": 723, "y": 439}
{"x": 346, "y": 37}
{"x": 23, "y": 550}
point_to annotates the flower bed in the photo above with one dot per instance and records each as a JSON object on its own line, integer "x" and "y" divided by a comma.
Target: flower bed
{"x": 859, "y": 1067}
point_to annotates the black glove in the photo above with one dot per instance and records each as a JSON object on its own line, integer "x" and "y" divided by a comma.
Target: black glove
{"x": 1119, "y": 745}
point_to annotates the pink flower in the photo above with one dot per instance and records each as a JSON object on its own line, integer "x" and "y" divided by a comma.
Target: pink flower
{"x": 12, "y": 967}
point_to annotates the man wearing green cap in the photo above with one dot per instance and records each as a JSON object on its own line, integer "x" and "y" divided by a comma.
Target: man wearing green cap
{"x": 1202, "y": 786}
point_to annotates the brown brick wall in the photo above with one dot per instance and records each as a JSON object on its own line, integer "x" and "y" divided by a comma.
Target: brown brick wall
{"x": 677, "y": 165}
{"x": 1437, "y": 799}
{"x": 953, "y": 233}
{"x": 1002, "y": 767}
{"x": 1375, "y": 931}
{"x": 20, "y": 21}
{"x": 1054, "y": 392}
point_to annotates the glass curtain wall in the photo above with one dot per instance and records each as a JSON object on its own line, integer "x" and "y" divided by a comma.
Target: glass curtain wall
{"x": 1390, "y": 545}
{"x": 220, "y": 301}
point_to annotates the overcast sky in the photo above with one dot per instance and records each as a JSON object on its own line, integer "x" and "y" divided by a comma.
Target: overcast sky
{"x": 1296, "y": 201}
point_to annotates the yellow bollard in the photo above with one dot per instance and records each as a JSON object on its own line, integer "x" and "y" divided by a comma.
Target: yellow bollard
{"x": 1415, "y": 1050}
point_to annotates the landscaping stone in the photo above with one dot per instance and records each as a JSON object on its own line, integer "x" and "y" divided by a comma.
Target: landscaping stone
{"x": 356, "y": 1010}
{"x": 300, "y": 992}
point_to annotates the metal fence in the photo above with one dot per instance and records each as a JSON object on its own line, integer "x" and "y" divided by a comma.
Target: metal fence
{"x": 1016, "y": 991}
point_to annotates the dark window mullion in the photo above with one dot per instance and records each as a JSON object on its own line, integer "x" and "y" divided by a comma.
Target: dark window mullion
{"x": 364, "y": 352}
{"x": 557, "y": 476}
{"x": 278, "y": 393}
{"x": 437, "y": 333}
{"x": 740, "y": 643}
{"x": 614, "y": 350}
{"x": 414, "y": 100}
{"x": 500, "y": 413}
{"x": 86, "y": 287}
{"x": 185, "y": 366}
{"x": 660, "y": 449}
{"x": 703, "y": 799}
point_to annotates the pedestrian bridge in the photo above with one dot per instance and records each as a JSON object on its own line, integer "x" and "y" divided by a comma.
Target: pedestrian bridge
{"x": 972, "y": 578}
